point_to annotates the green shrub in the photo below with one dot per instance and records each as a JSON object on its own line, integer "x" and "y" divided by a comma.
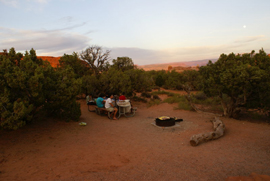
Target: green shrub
{"x": 153, "y": 102}
{"x": 139, "y": 99}
{"x": 146, "y": 94}
{"x": 185, "y": 106}
{"x": 181, "y": 100}
{"x": 200, "y": 96}
{"x": 29, "y": 85}
{"x": 170, "y": 94}
{"x": 159, "y": 92}
{"x": 156, "y": 97}
{"x": 163, "y": 92}
{"x": 175, "y": 99}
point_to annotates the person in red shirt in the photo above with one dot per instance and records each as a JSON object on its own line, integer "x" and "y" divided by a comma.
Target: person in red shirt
{"x": 122, "y": 97}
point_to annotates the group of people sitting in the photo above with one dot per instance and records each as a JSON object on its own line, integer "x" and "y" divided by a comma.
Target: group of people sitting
{"x": 107, "y": 103}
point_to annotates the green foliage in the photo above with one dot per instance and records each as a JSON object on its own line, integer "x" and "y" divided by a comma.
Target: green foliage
{"x": 153, "y": 102}
{"x": 185, "y": 106}
{"x": 79, "y": 67}
{"x": 121, "y": 77}
{"x": 91, "y": 85}
{"x": 156, "y": 97}
{"x": 146, "y": 94}
{"x": 176, "y": 98}
{"x": 123, "y": 63}
{"x": 160, "y": 77}
{"x": 97, "y": 60}
{"x": 139, "y": 99}
{"x": 191, "y": 80}
{"x": 160, "y": 81}
{"x": 61, "y": 101}
{"x": 181, "y": 100}
{"x": 174, "y": 80}
{"x": 244, "y": 79}
{"x": 162, "y": 92}
{"x": 28, "y": 85}
{"x": 139, "y": 80}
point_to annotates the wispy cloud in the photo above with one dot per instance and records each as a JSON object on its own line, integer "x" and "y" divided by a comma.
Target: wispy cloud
{"x": 192, "y": 53}
{"x": 52, "y": 42}
{"x": 12, "y": 3}
{"x": 147, "y": 56}
{"x": 249, "y": 39}
{"x": 26, "y": 4}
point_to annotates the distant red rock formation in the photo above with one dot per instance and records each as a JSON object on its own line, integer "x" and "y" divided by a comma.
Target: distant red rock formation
{"x": 54, "y": 61}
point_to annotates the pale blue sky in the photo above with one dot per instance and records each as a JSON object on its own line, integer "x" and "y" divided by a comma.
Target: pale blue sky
{"x": 148, "y": 31}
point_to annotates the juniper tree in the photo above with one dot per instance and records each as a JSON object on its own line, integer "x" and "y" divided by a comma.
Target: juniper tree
{"x": 29, "y": 84}
{"x": 239, "y": 81}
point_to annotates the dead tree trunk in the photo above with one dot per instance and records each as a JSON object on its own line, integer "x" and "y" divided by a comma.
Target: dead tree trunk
{"x": 219, "y": 129}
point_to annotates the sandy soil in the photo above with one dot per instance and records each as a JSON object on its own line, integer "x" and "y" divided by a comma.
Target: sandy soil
{"x": 133, "y": 148}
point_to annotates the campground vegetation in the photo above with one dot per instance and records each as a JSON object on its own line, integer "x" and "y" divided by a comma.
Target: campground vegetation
{"x": 31, "y": 87}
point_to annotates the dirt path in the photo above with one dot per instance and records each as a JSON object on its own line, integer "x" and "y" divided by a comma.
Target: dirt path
{"x": 133, "y": 149}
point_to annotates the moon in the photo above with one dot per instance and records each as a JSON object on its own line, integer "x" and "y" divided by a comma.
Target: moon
{"x": 244, "y": 26}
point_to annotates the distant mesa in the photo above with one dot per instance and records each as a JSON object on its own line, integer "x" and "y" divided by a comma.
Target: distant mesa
{"x": 54, "y": 61}
{"x": 177, "y": 66}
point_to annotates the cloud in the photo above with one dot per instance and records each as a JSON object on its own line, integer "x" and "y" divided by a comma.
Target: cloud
{"x": 183, "y": 54}
{"x": 52, "y": 42}
{"x": 12, "y": 3}
{"x": 27, "y": 4}
{"x": 249, "y": 39}
{"x": 148, "y": 56}
{"x": 15, "y": 3}
{"x": 138, "y": 55}
{"x": 65, "y": 28}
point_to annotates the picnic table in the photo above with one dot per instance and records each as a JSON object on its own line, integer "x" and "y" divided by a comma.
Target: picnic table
{"x": 122, "y": 109}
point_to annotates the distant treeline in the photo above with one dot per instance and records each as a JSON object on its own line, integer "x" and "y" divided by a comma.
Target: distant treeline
{"x": 30, "y": 86}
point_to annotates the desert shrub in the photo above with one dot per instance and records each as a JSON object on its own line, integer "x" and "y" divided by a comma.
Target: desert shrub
{"x": 165, "y": 87}
{"x": 139, "y": 99}
{"x": 148, "y": 89}
{"x": 159, "y": 92}
{"x": 200, "y": 96}
{"x": 162, "y": 92}
{"x": 175, "y": 99}
{"x": 181, "y": 100}
{"x": 146, "y": 94}
{"x": 29, "y": 85}
{"x": 153, "y": 102}
{"x": 170, "y": 94}
{"x": 243, "y": 78}
{"x": 185, "y": 106}
{"x": 156, "y": 97}
{"x": 73, "y": 112}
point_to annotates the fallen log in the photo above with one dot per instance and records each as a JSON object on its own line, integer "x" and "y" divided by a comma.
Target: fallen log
{"x": 219, "y": 129}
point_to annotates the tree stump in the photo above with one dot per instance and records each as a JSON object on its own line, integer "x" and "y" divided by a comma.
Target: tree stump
{"x": 219, "y": 129}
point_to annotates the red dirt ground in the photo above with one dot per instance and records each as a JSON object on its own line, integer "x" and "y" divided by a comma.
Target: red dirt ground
{"x": 134, "y": 149}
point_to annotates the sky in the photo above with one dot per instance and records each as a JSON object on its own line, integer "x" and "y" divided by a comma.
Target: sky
{"x": 147, "y": 31}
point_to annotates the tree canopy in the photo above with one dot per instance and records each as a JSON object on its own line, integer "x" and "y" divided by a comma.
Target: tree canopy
{"x": 96, "y": 58}
{"x": 29, "y": 85}
{"x": 239, "y": 81}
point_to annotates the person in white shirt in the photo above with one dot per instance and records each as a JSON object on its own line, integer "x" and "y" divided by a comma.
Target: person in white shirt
{"x": 110, "y": 107}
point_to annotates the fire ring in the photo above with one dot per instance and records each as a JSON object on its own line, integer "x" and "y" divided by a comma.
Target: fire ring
{"x": 166, "y": 122}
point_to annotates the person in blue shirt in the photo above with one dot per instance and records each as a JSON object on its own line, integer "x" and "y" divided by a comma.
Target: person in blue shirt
{"x": 100, "y": 101}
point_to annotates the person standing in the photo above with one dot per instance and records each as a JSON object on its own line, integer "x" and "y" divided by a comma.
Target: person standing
{"x": 110, "y": 107}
